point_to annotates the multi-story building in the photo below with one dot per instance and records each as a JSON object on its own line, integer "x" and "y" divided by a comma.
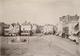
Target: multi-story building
{"x": 26, "y": 29}
{"x": 69, "y": 24}
{"x": 6, "y": 30}
{"x": 48, "y": 29}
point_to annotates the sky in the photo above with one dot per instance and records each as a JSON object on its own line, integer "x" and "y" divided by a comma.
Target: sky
{"x": 37, "y": 11}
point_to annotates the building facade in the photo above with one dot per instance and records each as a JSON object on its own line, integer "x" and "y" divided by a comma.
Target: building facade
{"x": 69, "y": 24}
{"x": 26, "y": 29}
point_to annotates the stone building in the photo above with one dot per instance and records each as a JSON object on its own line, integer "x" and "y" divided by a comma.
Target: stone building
{"x": 48, "y": 29}
{"x": 26, "y": 28}
{"x": 69, "y": 24}
{"x": 6, "y": 29}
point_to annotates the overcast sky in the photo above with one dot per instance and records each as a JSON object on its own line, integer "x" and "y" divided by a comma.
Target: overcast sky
{"x": 37, "y": 11}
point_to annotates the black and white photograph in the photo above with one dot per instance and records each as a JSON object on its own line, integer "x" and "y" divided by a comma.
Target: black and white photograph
{"x": 39, "y": 27}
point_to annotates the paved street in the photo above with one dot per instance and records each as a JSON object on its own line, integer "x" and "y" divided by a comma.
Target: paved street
{"x": 47, "y": 45}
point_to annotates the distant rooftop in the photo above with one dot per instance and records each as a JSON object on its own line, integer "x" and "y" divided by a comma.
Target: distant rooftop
{"x": 69, "y": 18}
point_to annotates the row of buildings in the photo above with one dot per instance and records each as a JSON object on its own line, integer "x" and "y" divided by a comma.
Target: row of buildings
{"x": 68, "y": 26}
{"x": 25, "y": 28}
